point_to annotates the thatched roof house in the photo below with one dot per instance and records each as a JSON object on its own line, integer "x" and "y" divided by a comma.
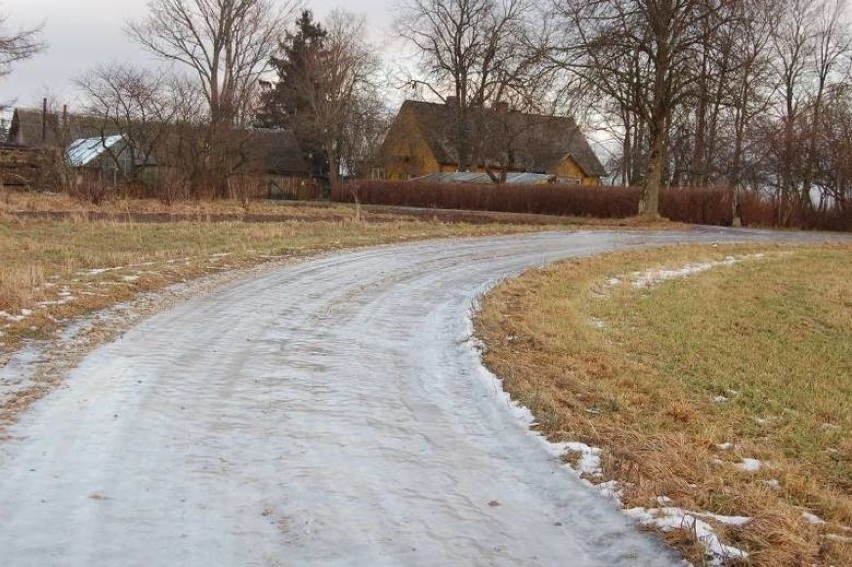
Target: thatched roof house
{"x": 424, "y": 140}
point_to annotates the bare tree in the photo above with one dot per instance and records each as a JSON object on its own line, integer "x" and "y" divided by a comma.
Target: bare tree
{"x": 326, "y": 89}
{"x": 17, "y": 46}
{"x": 135, "y": 103}
{"x": 472, "y": 53}
{"x": 640, "y": 53}
{"x": 362, "y": 135}
{"x": 226, "y": 45}
{"x": 793, "y": 44}
{"x": 832, "y": 42}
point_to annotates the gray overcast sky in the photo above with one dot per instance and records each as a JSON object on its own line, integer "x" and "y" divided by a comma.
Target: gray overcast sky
{"x": 84, "y": 33}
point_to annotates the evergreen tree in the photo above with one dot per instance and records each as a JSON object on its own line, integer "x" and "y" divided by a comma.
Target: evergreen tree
{"x": 284, "y": 103}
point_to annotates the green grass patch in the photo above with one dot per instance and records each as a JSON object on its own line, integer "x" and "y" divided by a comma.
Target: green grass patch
{"x": 755, "y": 353}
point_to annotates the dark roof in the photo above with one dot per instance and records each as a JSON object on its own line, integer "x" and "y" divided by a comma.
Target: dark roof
{"x": 275, "y": 152}
{"x": 278, "y": 151}
{"x": 31, "y": 127}
{"x": 528, "y": 142}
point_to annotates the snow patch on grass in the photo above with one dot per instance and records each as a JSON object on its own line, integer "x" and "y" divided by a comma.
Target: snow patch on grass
{"x": 98, "y": 271}
{"x": 16, "y": 318}
{"x": 611, "y": 490}
{"x": 587, "y": 463}
{"x": 750, "y": 465}
{"x": 650, "y": 278}
{"x": 588, "y": 460}
{"x": 672, "y": 518}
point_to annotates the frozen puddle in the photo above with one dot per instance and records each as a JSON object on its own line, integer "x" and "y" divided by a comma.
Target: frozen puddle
{"x": 321, "y": 413}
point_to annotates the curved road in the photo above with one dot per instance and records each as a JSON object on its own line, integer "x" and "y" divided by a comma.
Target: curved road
{"x": 328, "y": 412}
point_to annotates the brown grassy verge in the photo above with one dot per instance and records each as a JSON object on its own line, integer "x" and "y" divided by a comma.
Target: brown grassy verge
{"x": 59, "y": 206}
{"x": 55, "y": 270}
{"x": 757, "y": 355}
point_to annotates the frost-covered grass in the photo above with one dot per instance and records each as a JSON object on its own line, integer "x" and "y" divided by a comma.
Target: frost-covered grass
{"x": 51, "y": 270}
{"x": 725, "y": 390}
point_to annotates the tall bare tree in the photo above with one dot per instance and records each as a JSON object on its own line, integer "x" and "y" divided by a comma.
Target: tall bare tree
{"x": 226, "y": 45}
{"x": 136, "y": 103}
{"x": 472, "y": 53}
{"x": 832, "y": 43}
{"x": 641, "y": 53}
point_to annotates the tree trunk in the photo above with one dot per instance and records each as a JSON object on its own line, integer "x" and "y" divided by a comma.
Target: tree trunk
{"x": 649, "y": 206}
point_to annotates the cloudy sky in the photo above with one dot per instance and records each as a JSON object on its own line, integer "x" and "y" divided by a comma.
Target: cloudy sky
{"x": 84, "y": 33}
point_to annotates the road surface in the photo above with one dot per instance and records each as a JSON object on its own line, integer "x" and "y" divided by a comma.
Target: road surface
{"x": 329, "y": 412}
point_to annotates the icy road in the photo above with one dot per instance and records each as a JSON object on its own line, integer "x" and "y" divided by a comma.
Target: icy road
{"x": 327, "y": 412}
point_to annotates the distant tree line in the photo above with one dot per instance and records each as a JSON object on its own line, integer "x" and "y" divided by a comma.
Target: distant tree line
{"x": 754, "y": 95}
{"x": 751, "y": 94}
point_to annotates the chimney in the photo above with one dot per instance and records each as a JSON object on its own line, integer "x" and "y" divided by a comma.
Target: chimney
{"x": 44, "y": 120}
{"x": 452, "y": 101}
{"x": 501, "y": 107}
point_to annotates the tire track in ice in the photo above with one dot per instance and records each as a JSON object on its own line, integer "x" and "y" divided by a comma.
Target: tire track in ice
{"x": 328, "y": 412}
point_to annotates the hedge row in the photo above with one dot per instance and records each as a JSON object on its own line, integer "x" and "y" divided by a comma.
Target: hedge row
{"x": 690, "y": 205}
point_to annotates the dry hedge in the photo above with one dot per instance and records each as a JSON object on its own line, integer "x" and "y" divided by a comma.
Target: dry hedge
{"x": 712, "y": 206}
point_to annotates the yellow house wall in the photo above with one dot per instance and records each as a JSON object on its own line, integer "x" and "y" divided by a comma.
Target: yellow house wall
{"x": 569, "y": 168}
{"x": 405, "y": 154}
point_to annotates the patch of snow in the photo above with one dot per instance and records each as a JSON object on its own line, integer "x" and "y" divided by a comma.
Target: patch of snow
{"x": 750, "y": 465}
{"x": 16, "y": 373}
{"x": 813, "y": 518}
{"x": 720, "y": 399}
{"x": 671, "y": 518}
{"x": 728, "y": 520}
{"x": 651, "y": 278}
{"x": 664, "y": 501}
{"x": 611, "y": 490}
{"x": 597, "y": 323}
{"x": 613, "y": 281}
{"x": 98, "y": 271}
{"x": 16, "y": 318}
{"x": 773, "y": 483}
{"x": 761, "y": 421}
{"x": 63, "y": 299}
{"x": 838, "y": 538}
{"x": 589, "y": 459}
{"x": 727, "y": 446}
{"x": 130, "y": 278}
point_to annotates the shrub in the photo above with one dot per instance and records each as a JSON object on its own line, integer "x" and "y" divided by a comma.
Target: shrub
{"x": 712, "y": 206}
{"x": 609, "y": 202}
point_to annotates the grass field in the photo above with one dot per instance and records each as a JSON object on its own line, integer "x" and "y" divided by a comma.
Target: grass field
{"x": 53, "y": 270}
{"x": 727, "y": 392}
{"x": 62, "y": 257}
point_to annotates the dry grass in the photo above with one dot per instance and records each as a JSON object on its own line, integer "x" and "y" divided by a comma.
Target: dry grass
{"x": 639, "y": 373}
{"x": 15, "y": 201}
{"x": 54, "y": 270}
